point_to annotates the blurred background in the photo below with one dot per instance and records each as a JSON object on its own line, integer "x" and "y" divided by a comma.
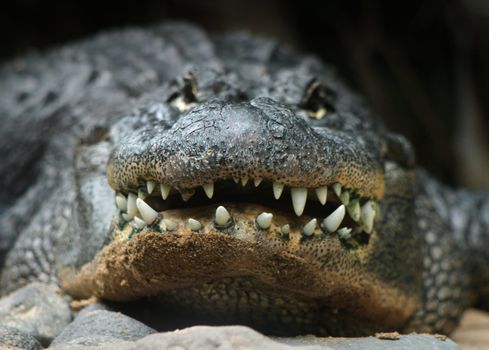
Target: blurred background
{"x": 423, "y": 66}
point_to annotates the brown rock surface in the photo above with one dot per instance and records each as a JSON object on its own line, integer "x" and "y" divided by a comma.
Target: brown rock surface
{"x": 473, "y": 331}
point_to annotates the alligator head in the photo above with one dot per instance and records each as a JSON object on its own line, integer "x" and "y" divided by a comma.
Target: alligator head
{"x": 271, "y": 198}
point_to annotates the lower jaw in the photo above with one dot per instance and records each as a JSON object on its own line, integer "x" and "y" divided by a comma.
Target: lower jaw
{"x": 317, "y": 281}
{"x": 244, "y": 301}
{"x": 286, "y": 228}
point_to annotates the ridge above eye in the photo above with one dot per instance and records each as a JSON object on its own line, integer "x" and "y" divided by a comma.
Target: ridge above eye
{"x": 318, "y": 100}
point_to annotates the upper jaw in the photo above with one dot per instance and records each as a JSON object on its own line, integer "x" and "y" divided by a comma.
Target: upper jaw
{"x": 250, "y": 142}
{"x": 253, "y": 140}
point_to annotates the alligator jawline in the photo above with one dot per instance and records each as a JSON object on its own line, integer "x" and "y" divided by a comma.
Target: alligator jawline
{"x": 228, "y": 206}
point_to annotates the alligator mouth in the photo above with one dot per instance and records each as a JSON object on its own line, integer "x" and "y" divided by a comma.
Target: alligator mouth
{"x": 246, "y": 166}
{"x": 241, "y": 206}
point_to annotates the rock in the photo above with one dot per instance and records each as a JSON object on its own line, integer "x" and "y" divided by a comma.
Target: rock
{"x": 100, "y": 326}
{"x": 93, "y": 307}
{"x": 473, "y": 331}
{"x": 13, "y": 338}
{"x": 404, "y": 342}
{"x": 240, "y": 337}
{"x": 37, "y": 309}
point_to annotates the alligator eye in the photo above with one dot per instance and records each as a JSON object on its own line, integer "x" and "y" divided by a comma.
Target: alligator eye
{"x": 318, "y": 100}
{"x": 186, "y": 97}
{"x": 399, "y": 150}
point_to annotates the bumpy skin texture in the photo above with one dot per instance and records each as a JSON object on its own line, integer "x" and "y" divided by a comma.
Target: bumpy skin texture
{"x": 112, "y": 107}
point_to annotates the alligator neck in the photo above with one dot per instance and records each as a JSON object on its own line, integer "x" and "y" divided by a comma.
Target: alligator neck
{"x": 466, "y": 214}
{"x": 469, "y": 219}
{"x": 454, "y": 226}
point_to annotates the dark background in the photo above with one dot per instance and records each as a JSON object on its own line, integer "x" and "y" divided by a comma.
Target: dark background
{"x": 422, "y": 65}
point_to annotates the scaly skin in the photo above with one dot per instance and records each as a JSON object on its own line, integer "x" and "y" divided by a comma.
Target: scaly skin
{"x": 171, "y": 106}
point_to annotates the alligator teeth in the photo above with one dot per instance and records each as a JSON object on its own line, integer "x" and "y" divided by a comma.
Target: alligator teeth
{"x": 148, "y": 214}
{"x": 132, "y": 209}
{"x": 150, "y": 186}
{"x": 137, "y": 223}
{"x": 344, "y": 233}
{"x": 367, "y": 216}
{"x": 345, "y": 197}
{"x": 309, "y": 228}
{"x": 277, "y": 190}
{"x": 376, "y": 209}
{"x": 285, "y": 229}
{"x": 222, "y": 216}
{"x": 244, "y": 181}
{"x": 257, "y": 181}
{"x": 194, "y": 225}
{"x": 322, "y": 194}
{"x": 187, "y": 195}
{"x": 121, "y": 202}
{"x": 142, "y": 193}
{"x": 209, "y": 189}
{"x": 354, "y": 210}
{"x": 333, "y": 221}
{"x": 337, "y": 189}
{"x": 126, "y": 217}
{"x": 165, "y": 191}
{"x": 236, "y": 180}
{"x": 170, "y": 224}
{"x": 299, "y": 198}
{"x": 264, "y": 220}
{"x": 162, "y": 225}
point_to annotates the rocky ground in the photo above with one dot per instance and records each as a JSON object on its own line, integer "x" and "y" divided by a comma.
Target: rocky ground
{"x": 473, "y": 332}
{"x": 39, "y": 316}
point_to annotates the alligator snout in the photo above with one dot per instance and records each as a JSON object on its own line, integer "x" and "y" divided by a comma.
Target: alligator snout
{"x": 259, "y": 139}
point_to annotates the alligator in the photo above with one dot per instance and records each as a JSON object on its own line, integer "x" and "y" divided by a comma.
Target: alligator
{"x": 231, "y": 179}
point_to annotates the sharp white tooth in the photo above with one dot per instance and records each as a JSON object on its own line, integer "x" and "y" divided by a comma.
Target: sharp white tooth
{"x": 345, "y": 197}
{"x": 148, "y": 214}
{"x": 257, "y": 181}
{"x": 142, "y": 193}
{"x": 194, "y": 225}
{"x": 222, "y": 216}
{"x": 299, "y": 198}
{"x": 354, "y": 210}
{"x": 337, "y": 189}
{"x": 236, "y": 180}
{"x": 322, "y": 194}
{"x": 170, "y": 224}
{"x": 126, "y": 217}
{"x": 132, "y": 209}
{"x": 244, "y": 181}
{"x": 344, "y": 232}
{"x": 137, "y": 223}
{"x": 309, "y": 228}
{"x": 121, "y": 202}
{"x": 162, "y": 225}
{"x": 277, "y": 190}
{"x": 367, "y": 216}
{"x": 376, "y": 209}
{"x": 187, "y": 195}
{"x": 333, "y": 221}
{"x": 150, "y": 186}
{"x": 264, "y": 220}
{"x": 165, "y": 191}
{"x": 285, "y": 229}
{"x": 209, "y": 189}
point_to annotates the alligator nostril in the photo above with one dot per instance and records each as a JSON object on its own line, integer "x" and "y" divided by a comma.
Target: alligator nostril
{"x": 276, "y": 129}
